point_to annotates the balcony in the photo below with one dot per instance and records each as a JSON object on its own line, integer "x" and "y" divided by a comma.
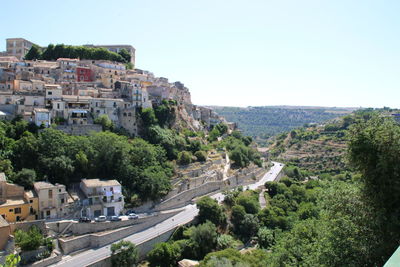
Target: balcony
{"x": 97, "y": 193}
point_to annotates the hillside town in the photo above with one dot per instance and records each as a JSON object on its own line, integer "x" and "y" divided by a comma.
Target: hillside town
{"x": 73, "y": 92}
{"x": 70, "y": 95}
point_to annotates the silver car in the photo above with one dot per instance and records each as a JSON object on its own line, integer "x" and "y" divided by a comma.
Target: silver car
{"x": 101, "y": 218}
{"x": 133, "y": 216}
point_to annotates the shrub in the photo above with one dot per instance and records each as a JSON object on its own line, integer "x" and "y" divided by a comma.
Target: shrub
{"x": 201, "y": 156}
{"x": 184, "y": 158}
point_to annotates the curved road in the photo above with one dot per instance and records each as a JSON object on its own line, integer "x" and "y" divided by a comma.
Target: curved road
{"x": 92, "y": 255}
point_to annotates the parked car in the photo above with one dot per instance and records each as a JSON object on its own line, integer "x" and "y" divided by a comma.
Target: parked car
{"x": 115, "y": 218}
{"x": 133, "y": 216}
{"x": 101, "y": 218}
{"x": 85, "y": 220}
{"x": 129, "y": 212}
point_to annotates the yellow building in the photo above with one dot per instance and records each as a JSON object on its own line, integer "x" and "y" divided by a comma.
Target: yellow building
{"x": 17, "y": 204}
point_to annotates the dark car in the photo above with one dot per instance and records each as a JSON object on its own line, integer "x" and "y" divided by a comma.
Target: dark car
{"x": 85, "y": 220}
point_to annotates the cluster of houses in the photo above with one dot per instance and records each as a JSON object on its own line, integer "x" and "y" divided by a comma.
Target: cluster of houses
{"x": 90, "y": 198}
{"x": 71, "y": 91}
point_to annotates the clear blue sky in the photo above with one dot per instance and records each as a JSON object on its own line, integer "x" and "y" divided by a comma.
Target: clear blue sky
{"x": 238, "y": 53}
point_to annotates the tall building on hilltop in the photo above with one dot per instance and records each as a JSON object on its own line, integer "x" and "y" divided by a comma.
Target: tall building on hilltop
{"x": 18, "y": 47}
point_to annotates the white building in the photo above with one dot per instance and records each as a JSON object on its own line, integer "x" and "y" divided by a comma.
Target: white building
{"x": 42, "y": 116}
{"x": 102, "y": 197}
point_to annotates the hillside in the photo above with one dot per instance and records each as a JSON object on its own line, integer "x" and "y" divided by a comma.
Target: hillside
{"x": 318, "y": 148}
{"x": 264, "y": 122}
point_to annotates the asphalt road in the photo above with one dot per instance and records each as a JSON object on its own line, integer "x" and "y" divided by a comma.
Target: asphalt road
{"x": 187, "y": 215}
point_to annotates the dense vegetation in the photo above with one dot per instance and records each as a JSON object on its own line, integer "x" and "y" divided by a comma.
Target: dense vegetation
{"x": 144, "y": 166}
{"x": 53, "y": 52}
{"x": 33, "y": 239}
{"x": 264, "y": 122}
{"x": 27, "y": 154}
{"x": 311, "y": 218}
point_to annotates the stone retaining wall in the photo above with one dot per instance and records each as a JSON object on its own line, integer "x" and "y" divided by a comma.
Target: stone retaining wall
{"x": 144, "y": 248}
{"x": 26, "y": 225}
{"x": 186, "y": 197}
{"x": 80, "y": 129}
{"x": 54, "y": 258}
{"x": 100, "y": 239}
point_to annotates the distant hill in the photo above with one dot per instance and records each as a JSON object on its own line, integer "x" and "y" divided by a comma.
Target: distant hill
{"x": 267, "y": 121}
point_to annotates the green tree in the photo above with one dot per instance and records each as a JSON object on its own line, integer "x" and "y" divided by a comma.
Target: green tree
{"x": 154, "y": 183}
{"x": 148, "y": 117}
{"x": 105, "y": 122}
{"x": 222, "y": 128}
{"x": 164, "y": 255}
{"x": 201, "y": 156}
{"x": 124, "y": 254}
{"x": 12, "y": 260}
{"x": 374, "y": 150}
{"x": 204, "y": 239}
{"x": 265, "y": 237}
{"x": 184, "y": 158}
{"x": 33, "y": 53}
{"x": 226, "y": 241}
{"x": 25, "y": 152}
{"x": 28, "y": 240}
{"x": 209, "y": 209}
{"x": 213, "y": 135}
{"x": 248, "y": 227}
{"x": 25, "y": 178}
{"x": 125, "y": 55}
{"x": 250, "y": 204}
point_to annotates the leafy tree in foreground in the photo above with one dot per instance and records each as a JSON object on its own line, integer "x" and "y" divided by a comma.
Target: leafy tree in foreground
{"x": 374, "y": 150}
{"x": 209, "y": 209}
{"x": 12, "y": 260}
{"x": 30, "y": 240}
{"x": 204, "y": 239}
{"x": 164, "y": 255}
{"x": 124, "y": 254}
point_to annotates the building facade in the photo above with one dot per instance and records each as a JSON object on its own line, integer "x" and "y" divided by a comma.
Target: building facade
{"x": 53, "y": 200}
{"x": 18, "y": 47}
{"x": 101, "y": 197}
{"x": 15, "y": 203}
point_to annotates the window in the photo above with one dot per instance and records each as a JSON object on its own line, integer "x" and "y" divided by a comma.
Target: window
{"x": 59, "y": 190}
{"x": 50, "y": 193}
{"x": 49, "y": 93}
{"x": 48, "y": 213}
{"x": 10, "y": 210}
{"x": 62, "y": 201}
{"x": 30, "y": 201}
{"x": 17, "y": 210}
{"x": 58, "y": 106}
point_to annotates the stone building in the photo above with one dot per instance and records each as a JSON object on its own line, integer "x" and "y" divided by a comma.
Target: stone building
{"x": 15, "y": 203}
{"x": 53, "y": 200}
{"x": 18, "y": 47}
{"x": 101, "y": 197}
